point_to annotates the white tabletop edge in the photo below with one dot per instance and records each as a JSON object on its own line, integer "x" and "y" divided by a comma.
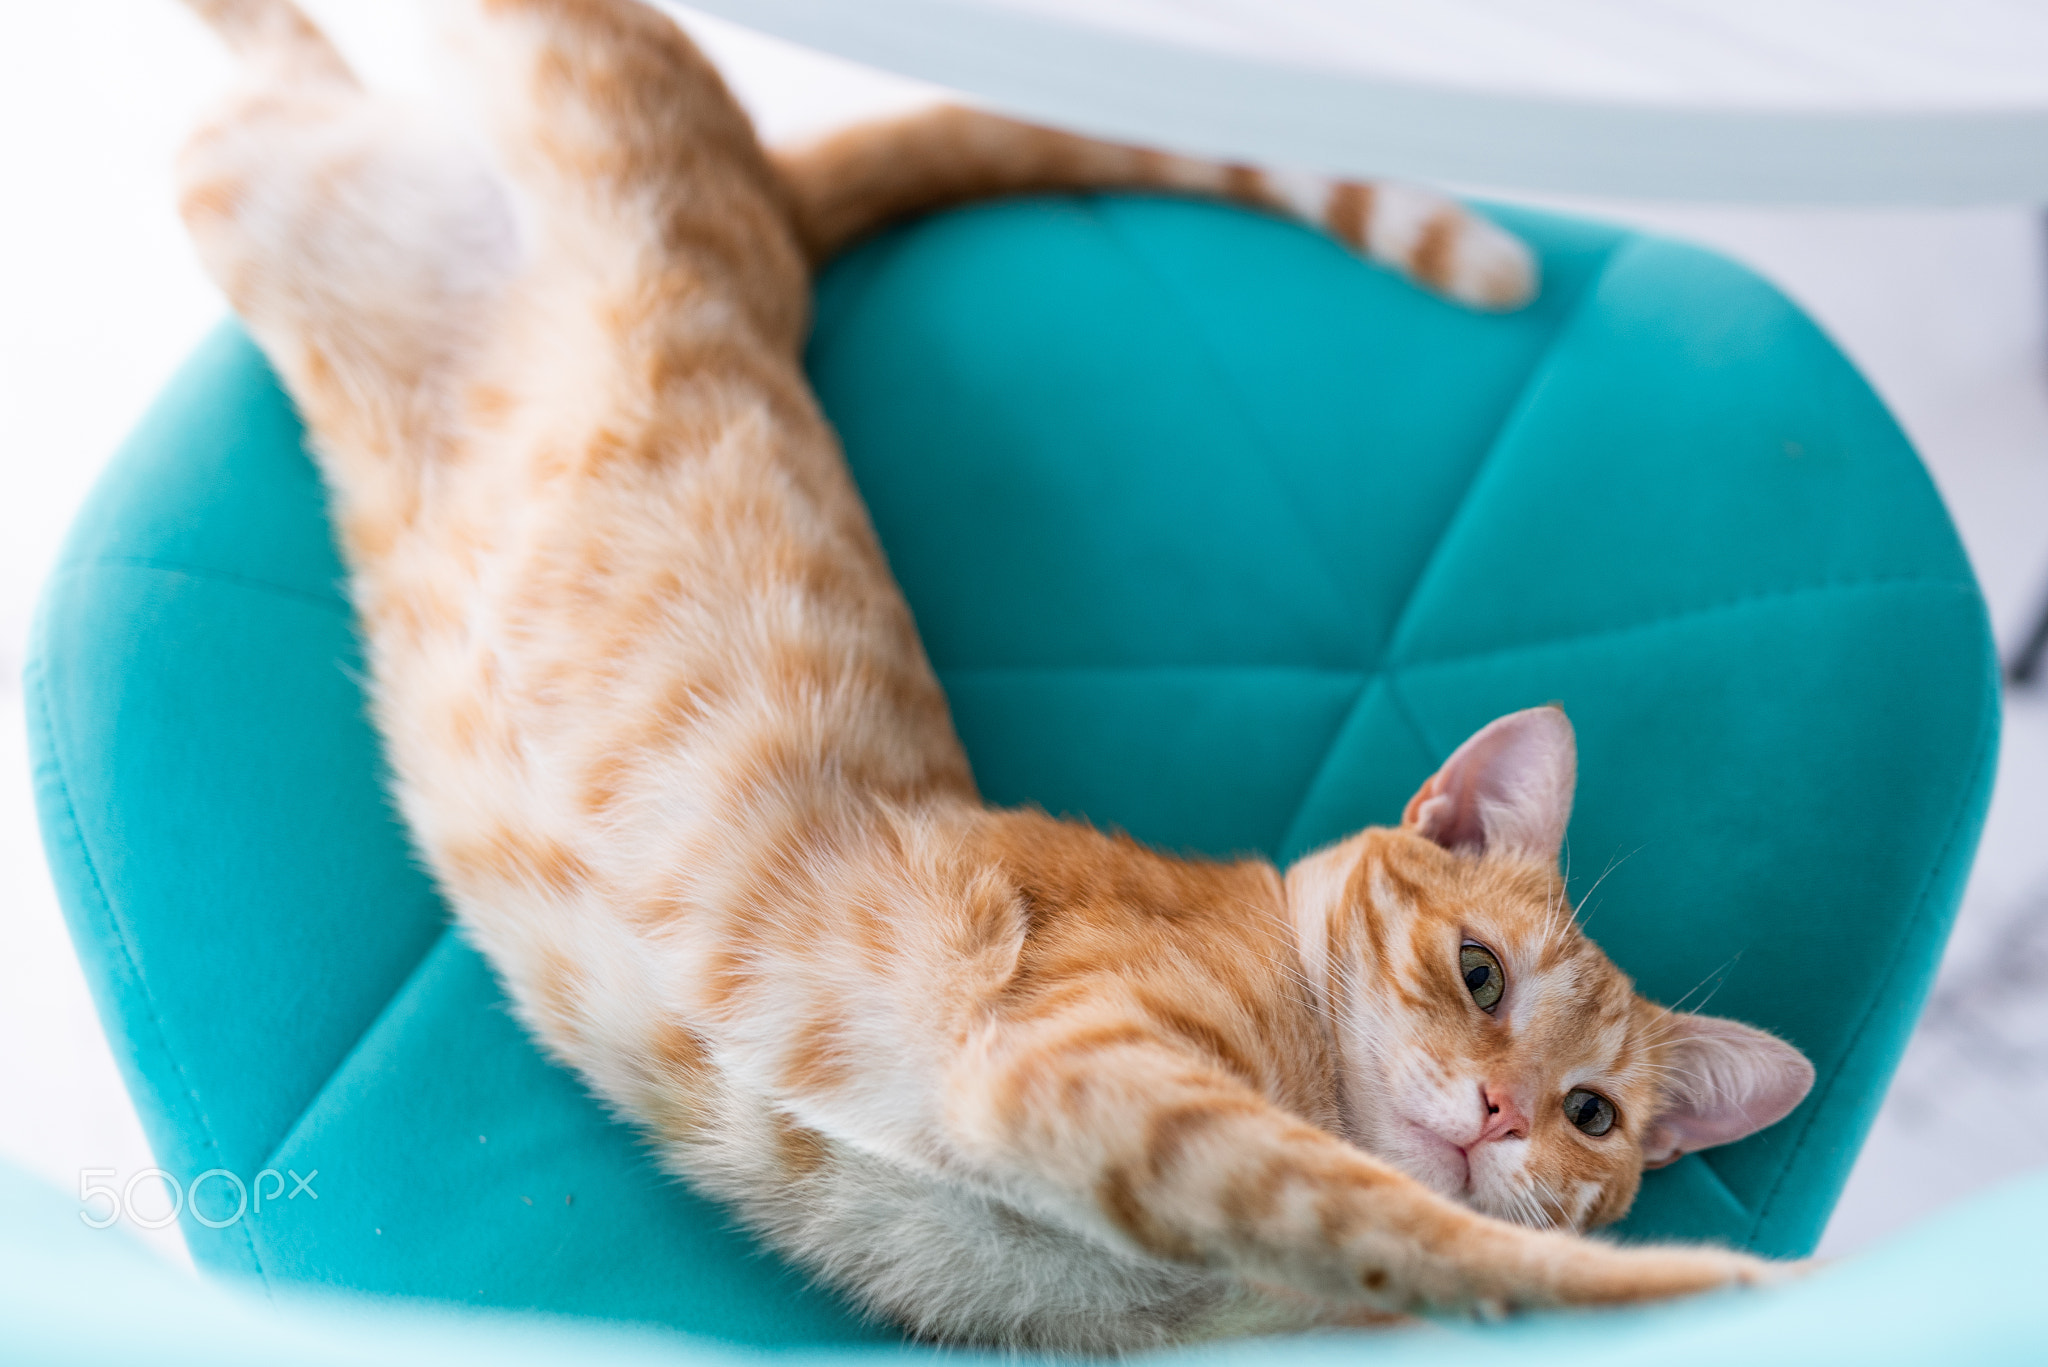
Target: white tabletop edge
{"x": 1212, "y": 104}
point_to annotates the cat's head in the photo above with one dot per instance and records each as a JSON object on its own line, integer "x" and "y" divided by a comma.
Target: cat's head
{"x": 1488, "y": 1048}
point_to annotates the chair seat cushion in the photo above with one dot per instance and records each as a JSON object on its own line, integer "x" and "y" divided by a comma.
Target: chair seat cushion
{"x": 1214, "y": 534}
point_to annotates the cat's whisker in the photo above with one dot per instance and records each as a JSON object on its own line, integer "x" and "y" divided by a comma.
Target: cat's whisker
{"x": 1586, "y": 902}
{"x": 1668, "y": 1015}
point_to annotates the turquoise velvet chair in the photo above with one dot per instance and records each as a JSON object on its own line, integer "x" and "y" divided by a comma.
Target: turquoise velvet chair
{"x": 1965, "y": 1288}
{"x": 1214, "y": 534}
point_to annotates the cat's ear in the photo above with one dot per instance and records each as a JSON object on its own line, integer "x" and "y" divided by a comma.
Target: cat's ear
{"x": 1723, "y": 1081}
{"x": 1508, "y": 790}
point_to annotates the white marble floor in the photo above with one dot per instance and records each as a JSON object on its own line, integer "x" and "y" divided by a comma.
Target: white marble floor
{"x": 99, "y": 298}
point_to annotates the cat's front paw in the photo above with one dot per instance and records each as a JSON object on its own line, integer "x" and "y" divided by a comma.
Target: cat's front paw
{"x": 1660, "y": 1273}
{"x": 1766, "y": 1272}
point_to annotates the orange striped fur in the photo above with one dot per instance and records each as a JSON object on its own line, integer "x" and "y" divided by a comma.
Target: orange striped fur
{"x": 662, "y": 726}
{"x": 866, "y": 177}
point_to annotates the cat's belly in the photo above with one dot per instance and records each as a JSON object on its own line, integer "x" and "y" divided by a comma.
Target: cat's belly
{"x": 955, "y": 1264}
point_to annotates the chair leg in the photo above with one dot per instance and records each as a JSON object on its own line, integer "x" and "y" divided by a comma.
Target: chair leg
{"x": 2025, "y": 665}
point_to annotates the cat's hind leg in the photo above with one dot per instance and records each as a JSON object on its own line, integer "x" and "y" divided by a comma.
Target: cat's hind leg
{"x": 658, "y": 227}
{"x": 363, "y": 244}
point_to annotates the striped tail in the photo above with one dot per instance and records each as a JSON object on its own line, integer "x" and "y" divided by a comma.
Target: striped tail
{"x": 858, "y": 181}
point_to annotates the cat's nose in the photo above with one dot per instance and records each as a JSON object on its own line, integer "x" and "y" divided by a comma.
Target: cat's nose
{"x": 1504, "y": 1119}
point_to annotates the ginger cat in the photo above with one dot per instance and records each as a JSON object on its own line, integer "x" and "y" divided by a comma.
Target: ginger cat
{"x": 662, "y": 726}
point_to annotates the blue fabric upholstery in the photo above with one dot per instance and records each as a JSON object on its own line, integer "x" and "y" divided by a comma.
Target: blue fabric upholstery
{"x": 1214, "y": 533}
{"x": 1964, "y": 1288}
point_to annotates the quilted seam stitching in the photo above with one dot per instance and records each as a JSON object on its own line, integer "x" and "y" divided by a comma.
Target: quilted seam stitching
{"x": 1406, "y": 712}
{"x": 1699, "y": 1160}
{"x": 291, "y": 1128}
{"x": 1513, "y": 411}
{"x": 122, "y": 941}
{"x": 1227, "y": 384}
{"x": 1315, "y": 777}
{"x": 1507, "y": 420}
{"x": 1987, "y": 749}
{"x": 219, "y": 576}
{"x": 300, "y": 596}
{"x": 947, "y": 676}
{"x": 1681, "y": 614}
{"x": 1287, "y": 832}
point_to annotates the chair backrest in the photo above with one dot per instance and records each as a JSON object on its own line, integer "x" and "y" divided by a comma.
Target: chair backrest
{"x": 1214, "y": 534}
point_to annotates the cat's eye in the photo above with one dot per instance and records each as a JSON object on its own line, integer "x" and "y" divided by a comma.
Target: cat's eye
{"x": 1482, "y": 973}
{"x": 1590, "y": 1111}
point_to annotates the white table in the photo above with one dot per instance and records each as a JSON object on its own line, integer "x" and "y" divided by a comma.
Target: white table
{"x": 1923, "y": 102}
{"x": 1785, "y": 101}
{"x": 1725, "y": 101}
